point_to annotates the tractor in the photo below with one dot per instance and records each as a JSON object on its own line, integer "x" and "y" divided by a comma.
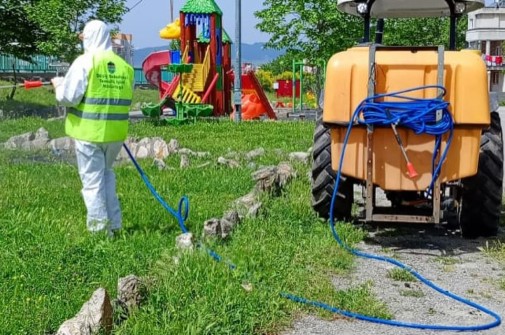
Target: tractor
{"x": 369, "y": 135}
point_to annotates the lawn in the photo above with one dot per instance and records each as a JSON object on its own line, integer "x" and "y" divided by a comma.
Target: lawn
{"x": 41, "y": 101}
{"x": 50, "y": 264}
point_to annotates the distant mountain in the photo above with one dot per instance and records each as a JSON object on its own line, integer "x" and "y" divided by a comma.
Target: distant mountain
{"x": 251, "y": 53}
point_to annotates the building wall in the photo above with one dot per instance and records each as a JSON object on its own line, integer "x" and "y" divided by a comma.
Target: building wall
{"x": 486, "y": 32}
{"x": 122, "y": 45}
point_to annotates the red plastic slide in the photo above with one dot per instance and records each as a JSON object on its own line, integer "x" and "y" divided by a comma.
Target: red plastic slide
{"x": 262, "y": 99}
{"x": 152, "y": 70}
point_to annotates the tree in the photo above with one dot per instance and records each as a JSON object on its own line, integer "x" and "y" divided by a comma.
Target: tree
{"x": 62, "y": 20}
{"x": 18, "y": 35}
{"x": 51, "y": 27}
{"x": 282, "y": 64}
{"x": 423, "y": 31}
{"x": 314, "y": 29}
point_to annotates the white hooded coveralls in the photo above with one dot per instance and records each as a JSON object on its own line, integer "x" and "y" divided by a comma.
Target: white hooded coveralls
{"x": 94, "y": 160}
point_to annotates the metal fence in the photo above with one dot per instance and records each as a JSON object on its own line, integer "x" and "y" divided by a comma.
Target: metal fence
{"x": 44, "y": 64}
{"x": 40, "y": 64}
{"x": 140, "y": 78}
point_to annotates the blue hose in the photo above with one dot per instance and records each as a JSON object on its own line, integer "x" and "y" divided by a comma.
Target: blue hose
{"x": 419, "y": 115}
{"x": 182, "y": 212}
{"x": 181, "y": 215}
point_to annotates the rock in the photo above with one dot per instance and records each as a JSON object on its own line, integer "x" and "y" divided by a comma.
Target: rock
{"x": 42, "y": 134}
{"x": 232, "y": 216}
{"x": 248, "y": 287}
{"x": 16, "y": 142}
{"x": 273, "y": 178}
{"x": 212, "y": 227}
{"x": 160, "y": 148}
{"x": 302, "y": 157}
{"x": 255, "y": 153}
{"x": 184, "y": 162}
{"x": 184, "y": 242}
{"x": 160, "y": 164}
{"x": 248, "y": 200}
{"x": 285, "y": 173}
{"x": 173, "y": 146}
{"x": 218, "y": 228}
{"x": 144, "y": 148}
{"x": 61, "y": 144}
{"x": 142, "y": 152}
{"x": 248, "y": 205}
{"x": 226, "y": 227}
{"x": 94, "y": 316}
{"x": 131, "y": 292}
{"x": 228, "y": 162}
{"x": 265, "y": 178}
{"x": 202, "y": 154}
{"x": 37, "y": 144}
{"x": 232, "y": 155}
{"x": 254, "y": 210}
{"x": 186, "y": 151}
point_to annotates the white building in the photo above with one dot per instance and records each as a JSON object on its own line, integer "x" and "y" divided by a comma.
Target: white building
{"x": 486, "y": 32}
{"x": 122, "y": 45}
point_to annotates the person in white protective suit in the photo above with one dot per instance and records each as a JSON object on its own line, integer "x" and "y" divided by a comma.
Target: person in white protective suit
{"x": 98, "y": 88}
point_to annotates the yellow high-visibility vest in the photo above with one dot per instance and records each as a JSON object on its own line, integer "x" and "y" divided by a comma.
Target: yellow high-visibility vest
{"x": 102, "y": 115}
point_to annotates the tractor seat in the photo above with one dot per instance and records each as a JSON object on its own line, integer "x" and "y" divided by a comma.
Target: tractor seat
{"x": 408, "y": 8}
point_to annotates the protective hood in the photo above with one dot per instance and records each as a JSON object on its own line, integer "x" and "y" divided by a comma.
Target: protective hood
{"x": 96, "y": 37}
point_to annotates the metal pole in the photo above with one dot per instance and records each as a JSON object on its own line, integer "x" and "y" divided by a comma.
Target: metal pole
{"x": 293, "y": 85}
{"x": 301, "y": 86}
{"x": 171, "y": 10}
{"x": 452, "y": 32}
{"x": 237, "y": 96}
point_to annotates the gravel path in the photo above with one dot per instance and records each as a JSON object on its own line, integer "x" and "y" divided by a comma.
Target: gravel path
{"x": 442, "y": 256}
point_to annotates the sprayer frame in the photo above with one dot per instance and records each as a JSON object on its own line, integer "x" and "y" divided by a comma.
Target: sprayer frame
{"x": 380, "y": 23}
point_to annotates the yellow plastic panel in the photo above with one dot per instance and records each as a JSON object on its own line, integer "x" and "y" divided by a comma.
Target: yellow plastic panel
{"x": 465, "y": 78}
{"x": 390, "y": 171}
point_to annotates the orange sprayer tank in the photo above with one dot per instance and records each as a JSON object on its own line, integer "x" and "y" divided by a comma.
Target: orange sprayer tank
{"x": 465, "y": 78}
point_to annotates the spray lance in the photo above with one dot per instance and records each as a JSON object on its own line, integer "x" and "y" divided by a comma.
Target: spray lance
{"x": 29, "y": 84}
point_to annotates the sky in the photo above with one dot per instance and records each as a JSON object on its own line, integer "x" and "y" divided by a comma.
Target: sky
{"x": 149, "y": 16}
{"x": 146, "y": 20}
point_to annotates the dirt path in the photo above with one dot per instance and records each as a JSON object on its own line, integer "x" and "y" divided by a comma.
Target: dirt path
{"x": 442, "y": 256}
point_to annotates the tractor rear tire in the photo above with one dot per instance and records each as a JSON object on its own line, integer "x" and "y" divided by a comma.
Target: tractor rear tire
{"x": 323, "y": 179}
{"x": 482, "y": 194}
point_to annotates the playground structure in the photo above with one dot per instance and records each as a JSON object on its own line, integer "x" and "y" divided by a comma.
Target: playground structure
{"x": 299, "y": 67}
{"x": 203, "y": 78}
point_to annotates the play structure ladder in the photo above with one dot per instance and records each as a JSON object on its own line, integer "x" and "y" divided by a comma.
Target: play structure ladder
{"x": 197, "y": 79}
{"x": 188, "y": 96}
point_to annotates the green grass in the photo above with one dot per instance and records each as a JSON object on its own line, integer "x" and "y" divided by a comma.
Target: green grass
{"x": 401, "y": 275}
{"x": 40, "y": 101}
{"x": 50, "y": 264}
{"x": 412, "y": 293}
{"x": 495, "y": 249}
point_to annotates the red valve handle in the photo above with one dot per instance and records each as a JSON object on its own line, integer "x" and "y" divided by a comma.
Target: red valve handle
{"x": 411, "y": 171}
